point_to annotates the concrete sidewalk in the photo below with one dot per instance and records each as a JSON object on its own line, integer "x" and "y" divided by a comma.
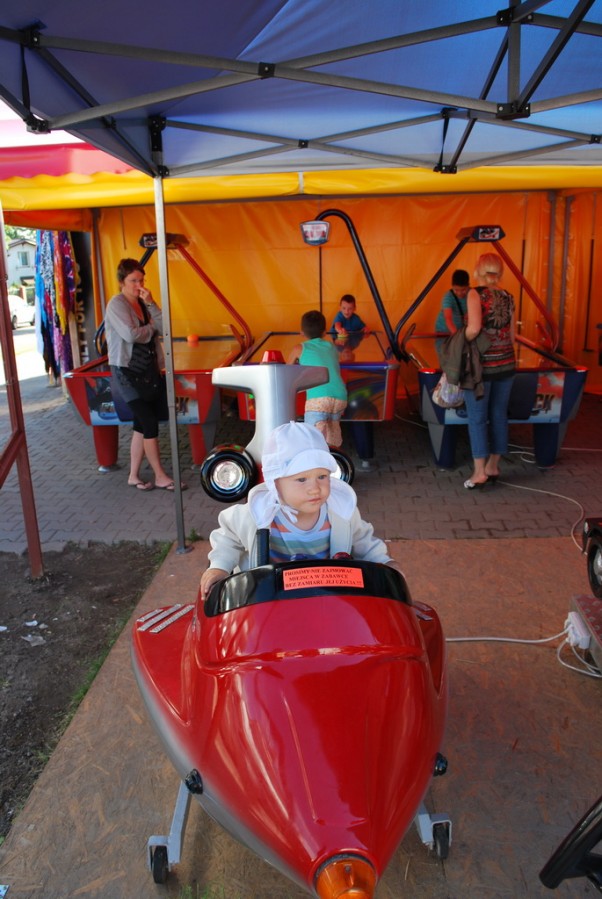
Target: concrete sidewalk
{"x": 522, "y": 740}
{"x": 406, "y": 498}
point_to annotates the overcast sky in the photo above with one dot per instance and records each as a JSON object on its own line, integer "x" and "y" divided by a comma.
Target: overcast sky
{"x": 13, "y": 132}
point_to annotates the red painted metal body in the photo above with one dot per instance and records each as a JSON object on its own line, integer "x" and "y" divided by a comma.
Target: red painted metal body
{"x": 314, "y": 718}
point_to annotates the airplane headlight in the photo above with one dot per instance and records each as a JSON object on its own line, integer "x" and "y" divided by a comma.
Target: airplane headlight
{"x": 228, "y": 473}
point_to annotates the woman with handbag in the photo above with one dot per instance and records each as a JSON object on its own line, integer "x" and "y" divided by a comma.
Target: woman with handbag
{"x": 132, "y": 322}
{"x": 491, "y": 312}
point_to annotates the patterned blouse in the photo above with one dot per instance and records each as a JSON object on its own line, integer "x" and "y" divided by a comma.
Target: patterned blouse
{"x": 497, "y": 307}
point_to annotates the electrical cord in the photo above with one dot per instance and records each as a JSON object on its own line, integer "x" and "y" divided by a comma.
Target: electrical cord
{"x": 593, "y": 668}
{"x": 417, "y": 424}
{"x": 568, "y": 499}
{"x": 587, "y": 669}
{"x": 504, "y": 639}
{"x": 528, "y": 457}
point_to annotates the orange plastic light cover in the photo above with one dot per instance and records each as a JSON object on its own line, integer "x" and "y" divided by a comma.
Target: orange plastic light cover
{"x": 349, "y": 877}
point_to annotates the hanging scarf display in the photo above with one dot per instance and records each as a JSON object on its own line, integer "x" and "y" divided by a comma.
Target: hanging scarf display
{"x": 56, "y": 285}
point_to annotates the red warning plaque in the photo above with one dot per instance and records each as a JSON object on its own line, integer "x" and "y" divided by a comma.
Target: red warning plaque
{"x": 322, "y": 576}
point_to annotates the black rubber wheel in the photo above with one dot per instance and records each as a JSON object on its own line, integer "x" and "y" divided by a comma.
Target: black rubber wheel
{"x": 345, "y": 464}
{"x": 574, "y": 857}
{"x": 594, "y": 565}
{"x": 441, "y": 838}
{"x": 238, "y": 490}
{"x": 160, "y": 864}
{"x": 13, "y": 323}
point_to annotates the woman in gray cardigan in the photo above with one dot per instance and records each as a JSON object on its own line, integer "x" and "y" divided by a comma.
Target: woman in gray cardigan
{"x": 132, "y": 324}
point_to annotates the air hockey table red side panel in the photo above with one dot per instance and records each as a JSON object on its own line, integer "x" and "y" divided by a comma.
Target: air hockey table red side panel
{"x": 367, "y": 366}
{"x": 197, "y": 399}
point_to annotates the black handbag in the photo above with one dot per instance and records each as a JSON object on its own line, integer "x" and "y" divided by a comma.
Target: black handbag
{"x": 144, "y": 355}
{"x": 144, "y": 358}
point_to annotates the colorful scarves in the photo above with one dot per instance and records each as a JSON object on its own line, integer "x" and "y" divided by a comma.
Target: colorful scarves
{"x": 56, "y": 285}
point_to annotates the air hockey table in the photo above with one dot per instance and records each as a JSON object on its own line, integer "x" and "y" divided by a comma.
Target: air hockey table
{"x": 546, "y": 394}
{"x": 367, "y": 366}
{"x": 197, "y": 399}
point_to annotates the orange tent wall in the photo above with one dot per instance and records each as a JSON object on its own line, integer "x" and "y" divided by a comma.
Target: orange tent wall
{"x": 253, "y": 251}
{"x": 582, "y": 318}
{"x": 255, "y": 254}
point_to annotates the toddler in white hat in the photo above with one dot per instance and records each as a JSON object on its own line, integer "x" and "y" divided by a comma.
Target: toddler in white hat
{"x": 309, "y": 514}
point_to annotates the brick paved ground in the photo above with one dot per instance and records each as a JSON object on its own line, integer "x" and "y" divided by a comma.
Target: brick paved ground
{"x": 407, "y": 497}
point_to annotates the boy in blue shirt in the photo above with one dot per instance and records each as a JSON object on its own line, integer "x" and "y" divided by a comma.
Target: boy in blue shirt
{"x": 347, "y": 321}
{"x": 452, "y": 315}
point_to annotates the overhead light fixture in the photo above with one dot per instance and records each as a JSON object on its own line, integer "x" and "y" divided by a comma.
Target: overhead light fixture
{"x": 315, "y": 233}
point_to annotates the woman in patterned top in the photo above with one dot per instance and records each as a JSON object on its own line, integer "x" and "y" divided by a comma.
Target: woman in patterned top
{"x": 490, "y": 309}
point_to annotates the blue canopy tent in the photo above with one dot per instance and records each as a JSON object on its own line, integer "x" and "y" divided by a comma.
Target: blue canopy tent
{"x": 300, "y": 85}
{"x": 305, "y": 86}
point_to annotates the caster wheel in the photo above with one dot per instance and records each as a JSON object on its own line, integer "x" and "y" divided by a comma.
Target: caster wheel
{"x": 441, "y": 837}
{"x": 160, "y": 866}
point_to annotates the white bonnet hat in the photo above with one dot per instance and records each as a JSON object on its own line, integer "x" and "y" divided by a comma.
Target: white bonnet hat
{"x": 290, "y": 449}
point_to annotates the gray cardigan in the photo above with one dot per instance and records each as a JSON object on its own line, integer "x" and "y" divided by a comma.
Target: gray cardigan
{"x": 123, "y": 329}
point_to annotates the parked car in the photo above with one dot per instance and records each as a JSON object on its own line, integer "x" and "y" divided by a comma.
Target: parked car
{"x": 21, "y": 313}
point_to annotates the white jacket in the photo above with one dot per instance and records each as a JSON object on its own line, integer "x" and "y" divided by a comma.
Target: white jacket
{"x": 234, "y": 542}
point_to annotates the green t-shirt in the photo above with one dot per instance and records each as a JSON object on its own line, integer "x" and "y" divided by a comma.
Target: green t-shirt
{"x": 320, "y": 352}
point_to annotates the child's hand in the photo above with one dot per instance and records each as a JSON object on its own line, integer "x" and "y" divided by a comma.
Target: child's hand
{"x": 210, "y": 577}
{"x": 339, "y": 328}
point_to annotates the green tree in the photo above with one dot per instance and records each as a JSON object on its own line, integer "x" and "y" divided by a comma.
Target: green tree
{"x": 13, "y": 232}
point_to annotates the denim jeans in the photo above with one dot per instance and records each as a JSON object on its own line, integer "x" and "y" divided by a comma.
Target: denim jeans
{"x": 312, "y": 417}
{"x": 325, "y": 414}
{"x": 488, "y": 418}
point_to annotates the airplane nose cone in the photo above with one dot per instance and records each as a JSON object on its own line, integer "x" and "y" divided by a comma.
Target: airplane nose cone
{"x": 346, "y": 877}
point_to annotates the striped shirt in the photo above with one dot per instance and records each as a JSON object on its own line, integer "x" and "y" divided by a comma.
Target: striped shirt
{"x": 287, "y": 540}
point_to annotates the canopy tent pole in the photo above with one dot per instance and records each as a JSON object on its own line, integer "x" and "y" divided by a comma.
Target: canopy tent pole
{"x": 15, "y": 449}
{"x": 169, "y": 363}
{"x": 96, "y": 261}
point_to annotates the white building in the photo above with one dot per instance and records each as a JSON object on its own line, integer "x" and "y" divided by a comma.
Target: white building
{"x": 21, "y": 266}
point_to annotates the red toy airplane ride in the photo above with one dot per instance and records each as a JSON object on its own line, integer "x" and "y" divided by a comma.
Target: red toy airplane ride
{"x": 303, "y": 705}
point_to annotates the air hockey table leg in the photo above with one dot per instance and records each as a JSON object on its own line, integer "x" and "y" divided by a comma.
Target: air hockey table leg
{"x": 106, "y": 444}
{"x": 443, "y": 444}
{"x": 363, "y": 438}
{"x": 547, "y": 440}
